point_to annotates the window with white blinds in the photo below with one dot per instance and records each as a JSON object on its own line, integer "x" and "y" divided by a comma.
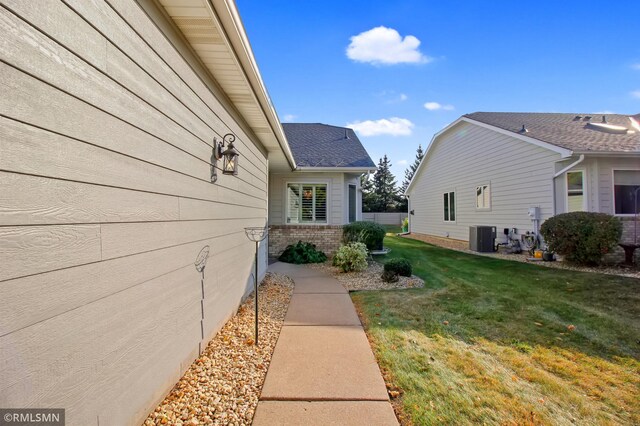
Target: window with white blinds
{"x": 306, "y": 203}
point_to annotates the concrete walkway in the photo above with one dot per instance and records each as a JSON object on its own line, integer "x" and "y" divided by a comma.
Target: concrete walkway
{"x": 322, "y": 371}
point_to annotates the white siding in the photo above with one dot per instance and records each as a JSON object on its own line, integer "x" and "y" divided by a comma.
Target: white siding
{"x": 520, "y": 175}
{"x": 105, "y": 202}
{"x": 336, "y": 207}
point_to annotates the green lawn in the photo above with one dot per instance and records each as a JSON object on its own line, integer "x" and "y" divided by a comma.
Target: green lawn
{"x": 499, "y": 342}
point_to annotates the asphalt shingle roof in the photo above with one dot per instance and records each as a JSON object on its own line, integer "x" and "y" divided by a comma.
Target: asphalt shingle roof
{"x": 566, "y": 130}
{"x": 322, "y": 145}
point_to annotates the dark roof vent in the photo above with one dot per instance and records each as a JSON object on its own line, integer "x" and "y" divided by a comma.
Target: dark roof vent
{"x": 524, "y": 129}
{"x": 586, "y": 118}
{"x": 577, "y": 118}
{"x": 346, "y": 134}
{"x": 604, "y": 119}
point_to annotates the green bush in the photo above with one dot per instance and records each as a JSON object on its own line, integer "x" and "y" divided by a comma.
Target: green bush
{"x": 389, "y": 276}
{"x": 582, "y": 237}
{"x": 399, "y": 266}
{"x": 351, "y": 257}
{"x": 405, "y": 224}
{"x": 302, "y": 253}
{"x": 369, "y": 233}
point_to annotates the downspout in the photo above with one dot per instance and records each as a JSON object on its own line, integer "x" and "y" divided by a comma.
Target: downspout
{"x": 561, "y": 172}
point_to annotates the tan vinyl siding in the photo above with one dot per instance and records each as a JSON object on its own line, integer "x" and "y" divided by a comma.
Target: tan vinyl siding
{"x": 105, "y": 202}
{"x": 519, "y": 174}
{"x": 278, "y": 195}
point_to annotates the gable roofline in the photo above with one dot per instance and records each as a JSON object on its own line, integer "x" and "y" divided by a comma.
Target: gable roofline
{"x": 238, "y": 84}
{"x": 327, "y": 147}
{"x": 564, "y": 153}
{"x": 232, "y": 23}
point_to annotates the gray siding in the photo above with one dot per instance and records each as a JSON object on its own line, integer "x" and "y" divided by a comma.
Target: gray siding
{"x": 105, "y": 201}
{"x": 520, "y": 175}
{"x": 336, "y": 187}
{"x": 352, "y": 179}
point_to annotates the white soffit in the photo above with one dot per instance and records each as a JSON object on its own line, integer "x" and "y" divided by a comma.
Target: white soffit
{"x": 203, "y": 22}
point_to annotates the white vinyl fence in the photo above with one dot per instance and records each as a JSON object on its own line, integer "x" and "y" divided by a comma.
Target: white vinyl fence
{"x": 384, "y": 218}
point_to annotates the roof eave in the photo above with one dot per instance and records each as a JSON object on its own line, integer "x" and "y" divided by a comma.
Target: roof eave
{"x": 336, "y": 169}
{"x": 240, "y": 43}
{"x": 609, "y": 153}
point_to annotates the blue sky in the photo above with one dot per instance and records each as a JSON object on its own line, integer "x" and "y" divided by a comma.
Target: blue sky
{"x": 375, "y": 64}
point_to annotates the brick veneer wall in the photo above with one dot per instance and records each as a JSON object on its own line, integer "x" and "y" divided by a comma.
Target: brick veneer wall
{"x": 628, "y": 234}
{"x": 326, "y": 237}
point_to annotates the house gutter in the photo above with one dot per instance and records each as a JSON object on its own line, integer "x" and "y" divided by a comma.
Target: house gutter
{"x": 561, "y": 172}
{"x": 335, "y": 169}
{"x": 570, "y": 166}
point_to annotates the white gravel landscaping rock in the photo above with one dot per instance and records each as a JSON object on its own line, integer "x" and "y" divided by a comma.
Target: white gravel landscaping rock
{"x": 223, "y": 385}
{"x": 369, "y": 279}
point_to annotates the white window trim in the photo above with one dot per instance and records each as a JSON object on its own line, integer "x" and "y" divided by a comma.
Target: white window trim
{"x": 613, "y": 191}
{"x": 455, "y": 206}
{"x": 585, "y": 189}
{"x": 285, "y": 203}
{"x": 475, "y": 197}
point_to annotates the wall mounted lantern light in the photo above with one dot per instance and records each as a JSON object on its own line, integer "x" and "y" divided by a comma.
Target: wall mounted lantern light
{"x": 229, "y": 156}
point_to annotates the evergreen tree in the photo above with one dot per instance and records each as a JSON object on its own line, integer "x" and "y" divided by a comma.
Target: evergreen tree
{"x": 369, "y": 199}
{"x": 403, "y": 205}
{"x": 411, "y": 170}
{"x": 384, "y": 184}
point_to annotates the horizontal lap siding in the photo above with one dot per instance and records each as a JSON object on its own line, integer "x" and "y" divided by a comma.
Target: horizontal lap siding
{"x": 604, "y": 170}
{"x": 105, "y": 201}
{"x": 278, "y": 194}
{"x": 467, "y": 156}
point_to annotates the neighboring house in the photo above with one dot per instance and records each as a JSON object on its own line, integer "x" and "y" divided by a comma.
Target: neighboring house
{"x": 313, "y": 202}
{"x": 490, "y": 168}
{"x": 108, "y": 112}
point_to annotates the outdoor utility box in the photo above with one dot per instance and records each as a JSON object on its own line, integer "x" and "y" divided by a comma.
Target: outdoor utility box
{"x": 482, "y": 238}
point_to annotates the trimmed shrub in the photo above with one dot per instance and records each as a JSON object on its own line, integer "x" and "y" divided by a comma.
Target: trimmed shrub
{"x": 389, "y": 277}
{"x": 399, "y": 266}
{"x": 582, "y": 237}
{"x": 351, "y": 257}
{"x": 300, "y": 253}
{"x": 405, "y": 224}
{"x": 369, "y": 233}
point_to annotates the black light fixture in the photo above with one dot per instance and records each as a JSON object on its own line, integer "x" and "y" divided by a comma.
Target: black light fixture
{"x": 229, "y": 156}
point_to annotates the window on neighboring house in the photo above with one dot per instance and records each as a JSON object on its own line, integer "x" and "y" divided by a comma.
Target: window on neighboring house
{"x": 483, "y": 197}
{"x": 625, "y": 184}
{"x": 575, "y": 191}
{"x": 449, "y": 199}
{"x": 306, "y": 203}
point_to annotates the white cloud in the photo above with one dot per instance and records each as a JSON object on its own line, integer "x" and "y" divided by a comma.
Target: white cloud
{"x": 289, "y": 117}
{"x": 392, "y": 97}
{"x": 382, "y": 45}
{"x": 393, "y": 126}
{"x": 636, "y": 94}
{"x": 402, "y": 162}
{"x": 636, "y": 66}
{"x": 435, "y": 106}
